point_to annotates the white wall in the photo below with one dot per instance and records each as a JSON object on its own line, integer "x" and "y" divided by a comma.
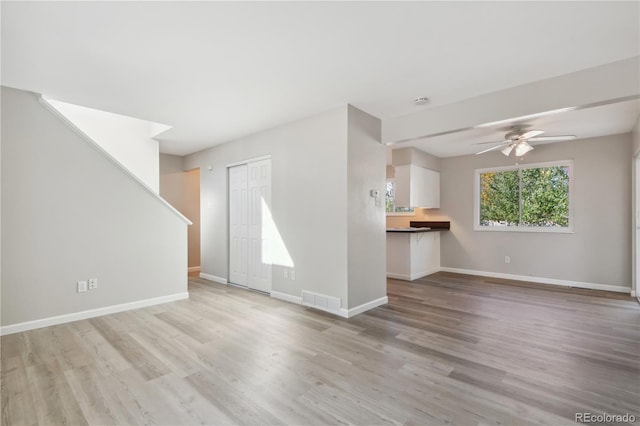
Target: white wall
{"x": 182, "y": 190}
{"x": 599, "y": 250}
{"x": 366, "y": 220}
{"x": 68, "y": 214}
{"x": 127, "y": 139}
{"x": 309, "y": 201}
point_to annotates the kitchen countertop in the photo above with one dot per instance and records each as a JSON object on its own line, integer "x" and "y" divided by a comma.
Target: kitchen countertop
{"x": 412, "y": 230}
{"x": 426, "y": 226}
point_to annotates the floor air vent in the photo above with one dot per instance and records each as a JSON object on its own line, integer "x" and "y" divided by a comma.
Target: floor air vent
{"x": 321, "y": 301}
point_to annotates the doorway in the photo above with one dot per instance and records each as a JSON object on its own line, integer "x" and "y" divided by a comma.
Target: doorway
{"x": 249, "y": 239}
{"x": 191, "y": 206}
{"x": 182, "y": 190}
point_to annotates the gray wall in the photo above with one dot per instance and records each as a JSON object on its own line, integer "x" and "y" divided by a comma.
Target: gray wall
{"x": 599, "y": 250}
{"x": 309, "y": 201}
{"x": 182, "y": 190}
{"x": 69, "y": 214}
{"x": 366, "y": 221}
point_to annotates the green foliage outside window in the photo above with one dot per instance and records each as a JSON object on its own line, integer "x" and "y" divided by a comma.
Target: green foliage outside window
{"x": 499, "y": 204}
{"x": 389, "y": 197}
{"x": 529, "y": 197}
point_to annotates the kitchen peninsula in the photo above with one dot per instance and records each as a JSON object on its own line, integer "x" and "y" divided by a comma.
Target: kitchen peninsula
{"x": 414, "y": 252}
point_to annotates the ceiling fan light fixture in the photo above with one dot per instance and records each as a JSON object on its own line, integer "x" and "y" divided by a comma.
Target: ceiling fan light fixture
{"x": 516, "y": 140}
{"x": 522, "y": 148}
{"x": 507, "y": 149}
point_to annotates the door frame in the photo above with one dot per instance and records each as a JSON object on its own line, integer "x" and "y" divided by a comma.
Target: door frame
{"x": 635, "y": 225}
{"x": 249, "y": 160}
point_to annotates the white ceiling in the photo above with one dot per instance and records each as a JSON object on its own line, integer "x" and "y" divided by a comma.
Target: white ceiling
{"x": 216, "y": 71}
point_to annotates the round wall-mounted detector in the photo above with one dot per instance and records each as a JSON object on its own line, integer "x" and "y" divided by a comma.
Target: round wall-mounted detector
{"x": 420, "y": 101}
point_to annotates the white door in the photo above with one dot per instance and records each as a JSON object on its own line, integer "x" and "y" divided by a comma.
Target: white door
{"x": 238, "y": 225}
{"x": 250, "y": 225}
{"x": 259, "y": 185}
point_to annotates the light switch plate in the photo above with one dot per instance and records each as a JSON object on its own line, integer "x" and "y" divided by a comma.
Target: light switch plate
{"x": 93, "y": 283}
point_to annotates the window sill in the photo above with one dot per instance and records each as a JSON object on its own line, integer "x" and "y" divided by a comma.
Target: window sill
{"x": 401, "y": 214}
{"x": 568, "y": 230}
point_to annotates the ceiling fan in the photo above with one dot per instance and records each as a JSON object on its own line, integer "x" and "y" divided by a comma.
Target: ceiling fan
{"x": 518, "y": 138}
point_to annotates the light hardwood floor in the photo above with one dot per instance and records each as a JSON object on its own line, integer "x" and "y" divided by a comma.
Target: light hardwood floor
{"x": 447, "y": 349}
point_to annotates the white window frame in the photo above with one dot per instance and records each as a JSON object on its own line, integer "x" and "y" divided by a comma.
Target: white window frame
{"x": 411, "y": 213}
{"x": 517, "y": 228}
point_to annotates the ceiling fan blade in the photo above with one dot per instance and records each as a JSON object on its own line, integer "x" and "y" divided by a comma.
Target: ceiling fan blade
{"x": 500, "y": 141}
{"x": 490, "y": 149}
{"x": 530, "y": 134}
{"x": 552, "y": 138}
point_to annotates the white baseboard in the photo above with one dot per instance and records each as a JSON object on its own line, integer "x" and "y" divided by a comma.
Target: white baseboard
{"x": 61, "y": 319}
{"x": 412, "y": 276}
{"x": 367, "y": 306}
{"x": 286, "y": 297}
{"x": 193, "y": 269}
{"x": 540, "y": 280}
{"x": 213, "y": 278}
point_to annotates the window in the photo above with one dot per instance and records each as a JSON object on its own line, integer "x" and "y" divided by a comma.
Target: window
{"x": 391, "y": 209}
{"x": 532, "y": 197}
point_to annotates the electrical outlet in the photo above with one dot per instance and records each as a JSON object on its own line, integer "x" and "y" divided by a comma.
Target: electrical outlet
{"x": 93, "y": 283}
{"x": 507, "y": 259}
{"x": 82, "y": 286}
{"x": 286, "y": 274}
{"x": 293, "y": 275}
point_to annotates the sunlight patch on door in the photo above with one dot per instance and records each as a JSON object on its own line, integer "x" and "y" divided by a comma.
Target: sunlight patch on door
{"x": 274, "y": 250}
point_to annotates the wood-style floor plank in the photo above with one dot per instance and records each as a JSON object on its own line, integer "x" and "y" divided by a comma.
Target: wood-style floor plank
{"x": 447, "y": 349}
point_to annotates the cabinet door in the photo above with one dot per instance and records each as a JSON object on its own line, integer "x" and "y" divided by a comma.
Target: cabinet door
{"x": 416, "y": 186}
{"x": 418, "y": 189}
{"x": 433, "y": 259}
{"x": 431, "y": 189}
{"x": 402, "y": 186}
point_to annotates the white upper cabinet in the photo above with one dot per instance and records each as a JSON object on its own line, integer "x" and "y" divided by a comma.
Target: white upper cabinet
{"x": 416, "y": 186}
